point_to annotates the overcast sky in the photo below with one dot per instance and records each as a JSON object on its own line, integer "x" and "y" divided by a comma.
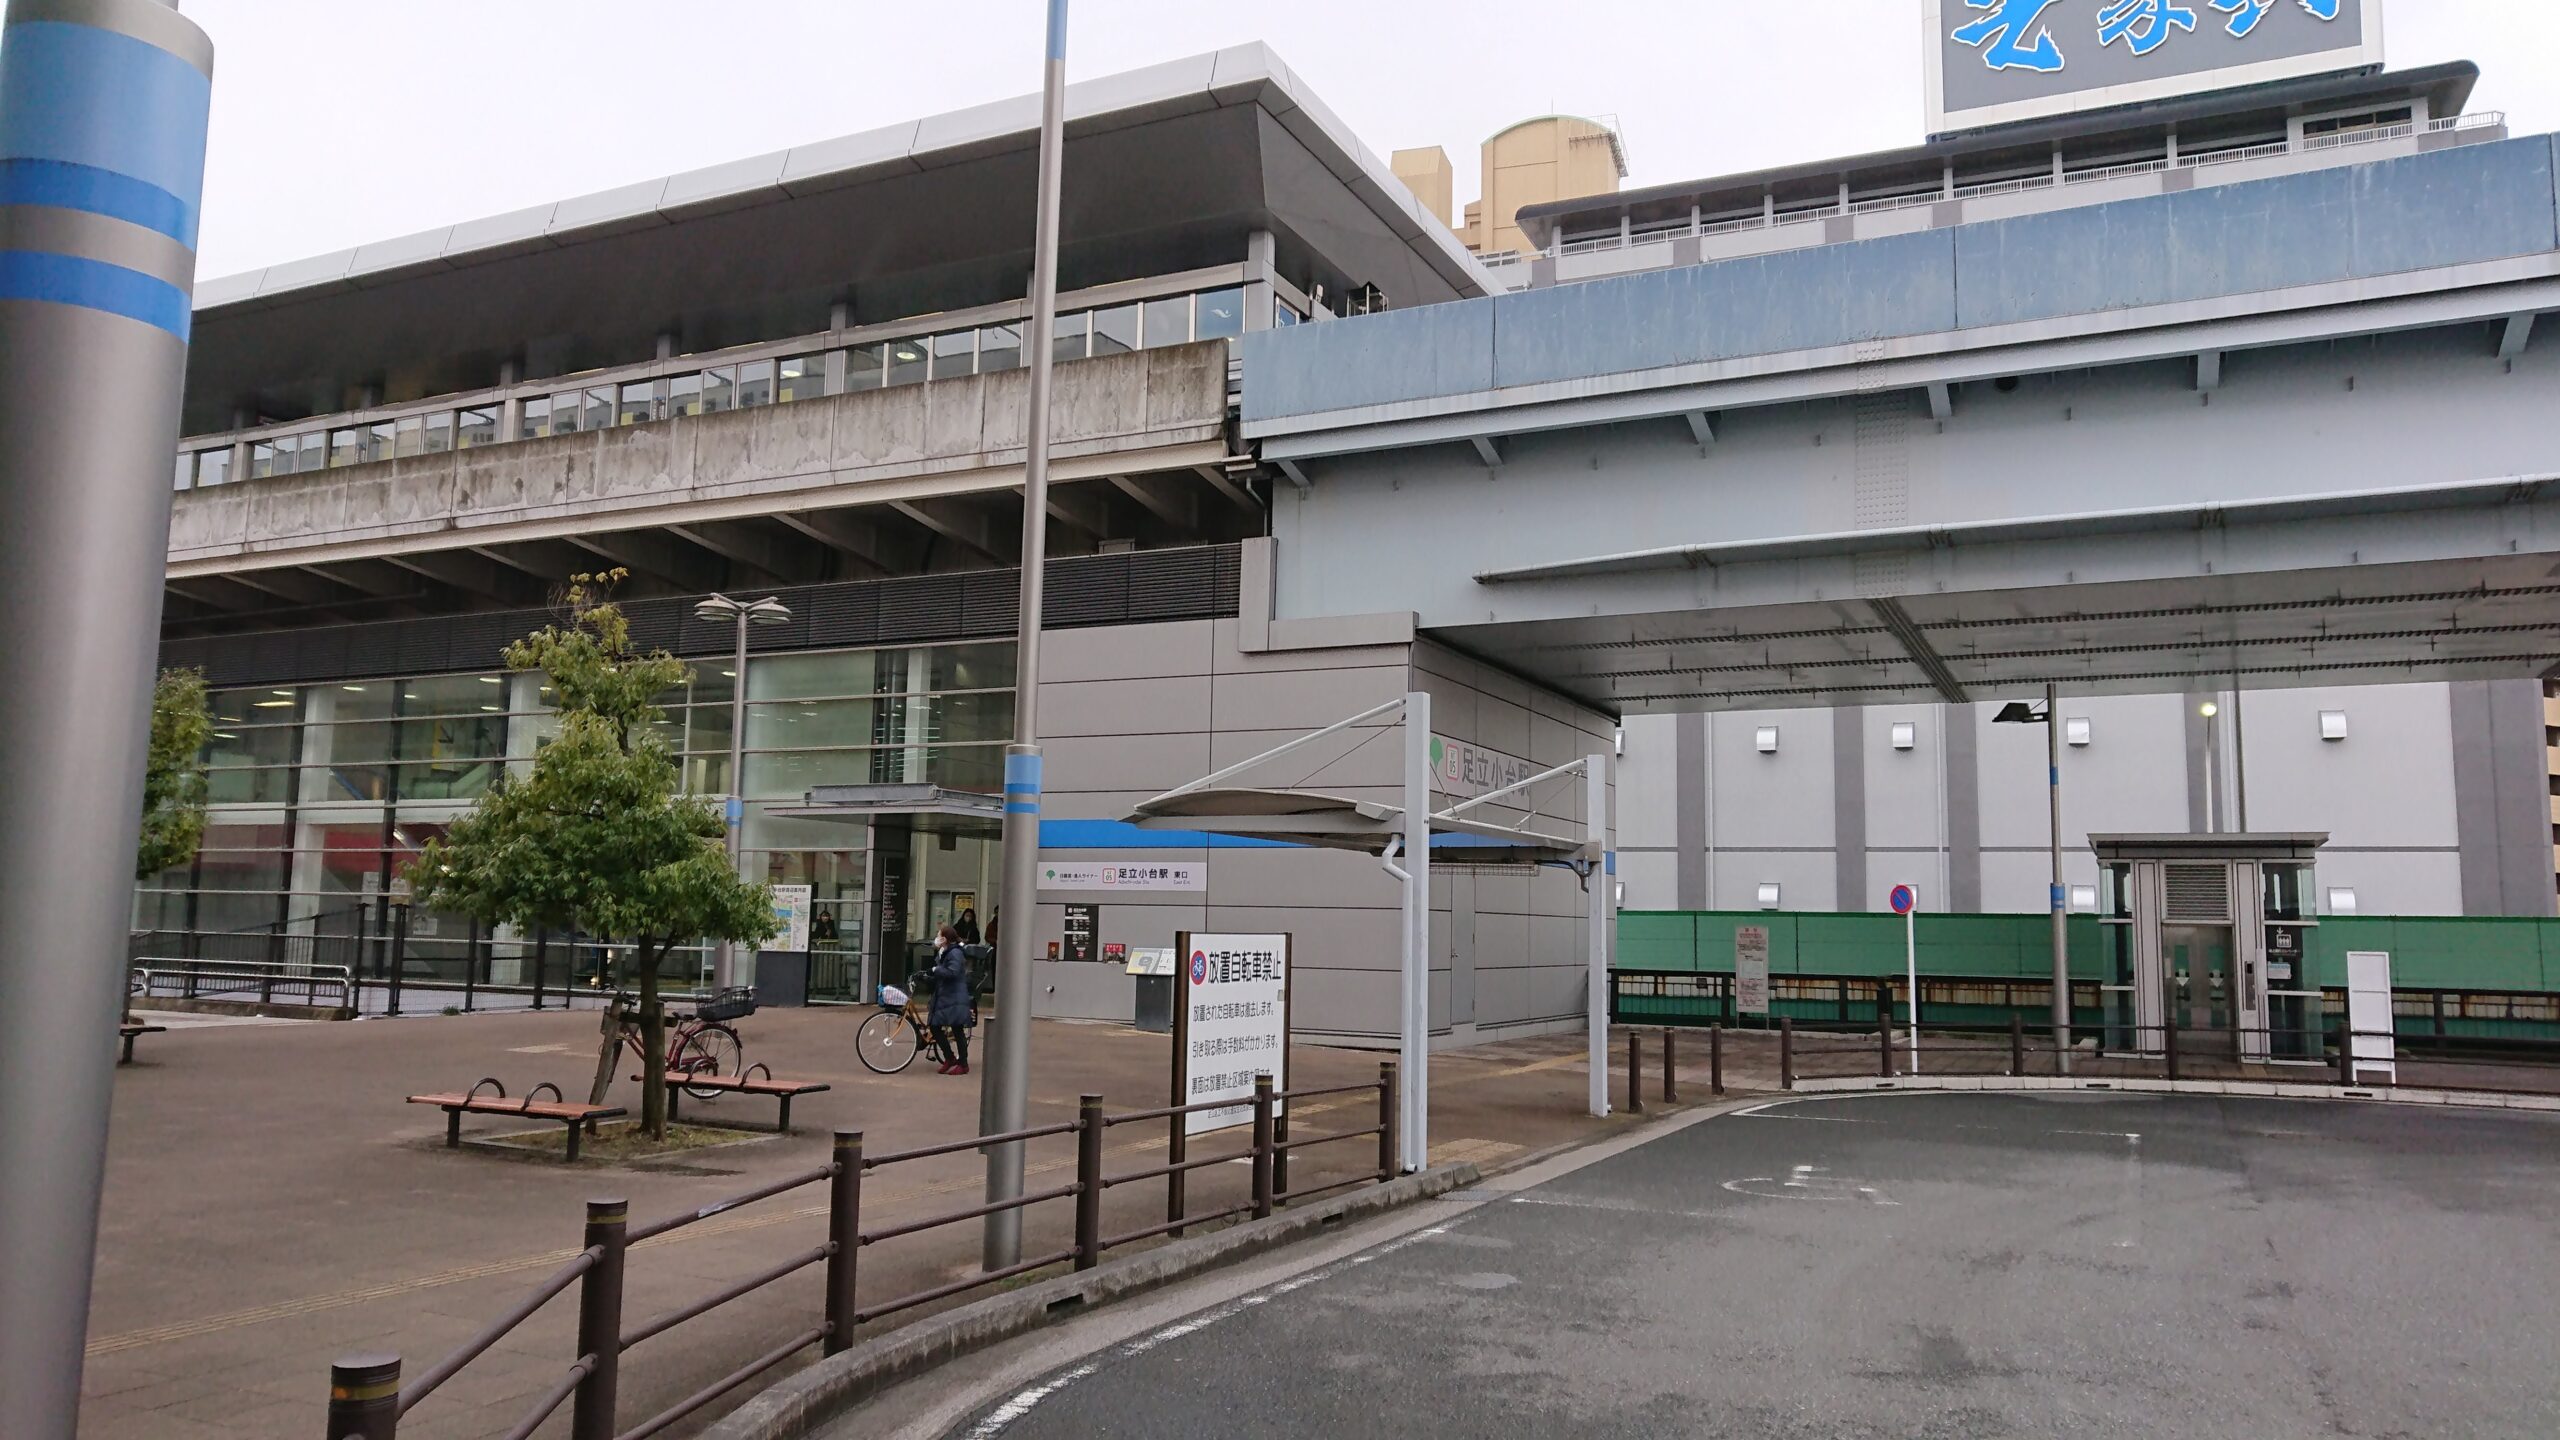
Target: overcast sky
{"x": 336, "y": 122}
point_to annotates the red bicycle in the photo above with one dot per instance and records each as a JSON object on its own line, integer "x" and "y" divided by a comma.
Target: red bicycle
{"x": 699, "y": 1043}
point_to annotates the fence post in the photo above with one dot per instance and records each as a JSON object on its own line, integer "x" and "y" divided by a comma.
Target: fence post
{"x": 2017, "y": 1044}
{"x": 844, "y": 1231}
{"x": 2170, "y": 1046}
{"x": 1884, "y": 1043}
{"x": 1635, "y": 1073}
{"x": 1088, "y": 1181}
{"x": 1786, "y": 1052}
{"x": 1715, "y": 1059}
{"x": 2346, "y": 1054}
{"x": 541, "y": 963}
{"x": 1670, "y": 1082}
{"x": 1280, "y": 1148}
{"x": 1262, "y": 1147}
{"x": 1386, "y": 1121}
{"x": 400, "y": 958}
{"x": 1177, "y": 1149}
{"x": 471, "y": 968}
{"x": 364, "y": 1398}
{"x": 275, "y": 962}
{"x": 600, "y": 1320}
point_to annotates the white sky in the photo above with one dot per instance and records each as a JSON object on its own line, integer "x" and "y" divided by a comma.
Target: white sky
{"x": 337, "y": 122}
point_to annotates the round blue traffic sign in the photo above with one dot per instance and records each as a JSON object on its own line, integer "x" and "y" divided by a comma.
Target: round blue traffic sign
{"x": 1904, "y": 899}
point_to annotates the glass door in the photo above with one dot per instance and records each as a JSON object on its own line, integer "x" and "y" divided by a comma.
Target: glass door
{"x": 2200, "y": 998}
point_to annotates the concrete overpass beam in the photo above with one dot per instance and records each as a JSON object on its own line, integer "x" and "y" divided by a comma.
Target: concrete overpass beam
{"x": 968, "y": 526}
{"x": 659, "y": 557}
{"x": 471, "y": 573}
{"x": 1488, "y": 451}
{"x": 861, "y": 540}
{"x": 1169, "y": 500}
{"x": 1230, "y": 490}
{"x": 1701, "y": 429}
{"x": 2208, "y": 371}
{"x": 1942, "y": 401}
{"x": 2514, "y": 337}
{"x": 785, "y": 558}
{"x": 1296, "y": 473}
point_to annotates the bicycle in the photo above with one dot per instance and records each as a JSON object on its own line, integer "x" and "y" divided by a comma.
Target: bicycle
{"x": 700, "y": 1043}
{"x": 890, "y": 1037}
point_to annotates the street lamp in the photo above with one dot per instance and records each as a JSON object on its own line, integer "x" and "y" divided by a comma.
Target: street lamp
{"x": 767, "y": 611}
{"x": 2019, "y": 712}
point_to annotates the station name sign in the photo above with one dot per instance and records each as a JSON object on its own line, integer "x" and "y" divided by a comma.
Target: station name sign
{"x": 1993, "y": 62}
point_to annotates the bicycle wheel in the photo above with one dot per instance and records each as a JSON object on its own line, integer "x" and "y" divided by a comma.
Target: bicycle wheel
{"x": 886, "y": 1043}
{"x": 709, "y": 1050}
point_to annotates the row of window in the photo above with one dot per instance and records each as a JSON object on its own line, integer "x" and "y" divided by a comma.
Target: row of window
{"x": 949, "y": 355}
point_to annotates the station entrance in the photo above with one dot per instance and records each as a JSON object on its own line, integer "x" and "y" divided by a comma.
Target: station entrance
{"x": 2204, "y": 938}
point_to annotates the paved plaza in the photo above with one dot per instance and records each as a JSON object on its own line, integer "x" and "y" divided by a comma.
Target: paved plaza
{"x": 271, "y": 1203}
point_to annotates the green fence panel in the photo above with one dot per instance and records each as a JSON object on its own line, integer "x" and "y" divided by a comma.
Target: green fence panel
{"x": 1989, "y": 947}
{"x": 1657, "y": 940}
{"x": 2442, "y": 952}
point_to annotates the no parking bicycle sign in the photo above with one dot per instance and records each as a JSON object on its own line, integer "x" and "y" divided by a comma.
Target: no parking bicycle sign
{"x": 1230, "y": 1023}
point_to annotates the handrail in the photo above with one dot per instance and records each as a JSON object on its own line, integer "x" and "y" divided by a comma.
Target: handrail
{"x": 366, "y": 1400}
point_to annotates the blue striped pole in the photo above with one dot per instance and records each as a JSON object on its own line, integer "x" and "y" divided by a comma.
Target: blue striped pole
{"x": 102, "y": 132}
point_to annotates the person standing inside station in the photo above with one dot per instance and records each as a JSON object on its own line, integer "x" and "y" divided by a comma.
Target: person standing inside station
{"x": 952, "y": 1013}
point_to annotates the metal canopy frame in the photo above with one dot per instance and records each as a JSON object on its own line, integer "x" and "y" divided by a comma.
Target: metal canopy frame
{"x": 1334, "y": 822}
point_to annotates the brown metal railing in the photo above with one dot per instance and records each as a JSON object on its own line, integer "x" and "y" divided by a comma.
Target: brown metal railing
{"x": 367, "y": 1400}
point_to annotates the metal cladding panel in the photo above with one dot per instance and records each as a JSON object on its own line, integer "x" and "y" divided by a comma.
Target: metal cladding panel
{"x": 479, "y": 642}
{"x": 2348, "y": 223}
{"x": 660, "y": 625}
{"x": 844, "y": 615}
{"x": 417, "y": 647}
{"x": 1170, "y": 584}
{"x": 1375, "y": 360}
{"x": 1086, "y": 591}
{"x": 990, "y": 601}
{"x": 925, "y": 607}
{"x": 1793, "y": 300}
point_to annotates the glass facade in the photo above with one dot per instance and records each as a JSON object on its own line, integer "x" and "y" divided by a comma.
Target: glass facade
{"x": 320, "y": 792}
{"x": 1115, "y": 330}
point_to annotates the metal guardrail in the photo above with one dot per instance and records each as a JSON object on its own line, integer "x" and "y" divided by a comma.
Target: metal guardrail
{"x": 367, "y": 1399}
{"x": 180, "y": 979}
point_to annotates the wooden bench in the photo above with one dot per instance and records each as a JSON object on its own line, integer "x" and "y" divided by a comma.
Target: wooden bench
{"x": 129, "y": 1033}
{"x": 576, "y": 1116}
{"x": 748, "y": 1083}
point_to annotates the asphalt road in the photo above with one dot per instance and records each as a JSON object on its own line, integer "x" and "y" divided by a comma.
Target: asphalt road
{"x": 1918, "y": 1265}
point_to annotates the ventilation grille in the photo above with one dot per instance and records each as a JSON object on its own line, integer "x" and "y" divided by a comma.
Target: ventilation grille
{"x": 2198, "y": 894}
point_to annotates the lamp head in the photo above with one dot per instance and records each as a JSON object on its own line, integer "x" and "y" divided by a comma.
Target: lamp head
{"x": 2208, "y": 709}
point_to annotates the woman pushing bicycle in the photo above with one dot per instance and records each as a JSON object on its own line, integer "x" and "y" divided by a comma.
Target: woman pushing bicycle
{"x": 954, "y": 1009}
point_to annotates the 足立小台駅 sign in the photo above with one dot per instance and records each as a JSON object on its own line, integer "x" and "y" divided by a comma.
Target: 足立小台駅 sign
{"x": 1992, "y": 62}
{"x": 1751, "y": 969}
{"x": 1463, "y": 770}
{"x": 1231, "y": 1023}
{"x": 1158, "y": 875}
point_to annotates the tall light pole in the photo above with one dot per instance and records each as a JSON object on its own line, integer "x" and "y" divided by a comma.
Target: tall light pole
{"x": 102, "y": 131}
{"x": 2057, "y": 898}
{"x": 1005, "y": 1093}
{"x": 767, "y": 611}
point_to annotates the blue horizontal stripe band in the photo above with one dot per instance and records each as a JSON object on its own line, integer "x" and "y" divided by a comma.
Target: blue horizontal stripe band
{"x": 1030, "y": 789}
{"x": 1120, "y": 835}
{"x": 1022, "y": 770}
{"x": 93, "y": 97}
{"x": 1018, "y": 807}
{"x": 94, "y": 285}
{"x": 65, "y": 186}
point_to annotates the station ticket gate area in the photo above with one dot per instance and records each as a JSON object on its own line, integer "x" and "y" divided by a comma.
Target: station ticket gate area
{"x": 2206, "y": 935}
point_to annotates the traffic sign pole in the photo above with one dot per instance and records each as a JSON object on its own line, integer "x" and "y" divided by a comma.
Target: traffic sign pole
{"x": 1906, "y": 902}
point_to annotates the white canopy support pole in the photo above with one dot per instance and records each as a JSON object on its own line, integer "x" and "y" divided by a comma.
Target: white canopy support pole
{"x": 1601, "y": 902}
{"x": 1417, "y": 932}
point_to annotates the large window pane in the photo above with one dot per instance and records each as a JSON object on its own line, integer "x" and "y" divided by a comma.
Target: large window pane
{"x": 719, "y": 390}
{"x": 439, "y": 432}
{"x": 1115, "y": 331}
{"x": 536, "y": 423}
{"x": 755, "y": 383}
{"x": 803, "y": 377}
{"x": 831, "y": 675}
{"x": 810, "y": 724}
{"x": 1067, "y": 341}
{"x": 1168, "y": 321}
{"x": 311, "y": 451}
{"x": 864, "y": 369}
{"x": 263, "y": 456}
{"x": 185, "y": 475}
{"x": 999, "y": 348}
{"x": 213, "y": 467}
{"x": 955, "y": 355}
{"x": 475, "y": 426}
{"x": 639, "y": 403}
{"x": 564, "y": 411}
{"x": 684, "y": 394}
{"x": 906, "y": 361}
{"x": 346, "y": 446}
{"x": 1221, "y": 314}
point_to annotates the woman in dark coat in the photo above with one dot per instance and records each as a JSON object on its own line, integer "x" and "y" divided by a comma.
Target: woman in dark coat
{"x": 952, "y": 1014}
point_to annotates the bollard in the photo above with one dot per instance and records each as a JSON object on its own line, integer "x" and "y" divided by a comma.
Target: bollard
{"x": 399, "y": 951}
{"x": 1715, "y": 1059}
{"x": 1670, "y": 1082}
{"x": 1280, "y": 1149}
{"x": 2346, "y": 1054}
{"x": 1635, "y": 1073}
{"x": 541, "y": 964}
{"x": 844, "y": 1237}
{"x": 1786, "y": 1052}
{"x": 1088, "y": 1181}
{"x": 1386, "y": 1121}
{"x": 2169, "y": 1047}
{"x": 1884, "y": 1045}
{"x": 364, "y": 1398}
{"x": 1262, "y": 1147}
{"x": 600, "y": 1320}
{"x": 2017, "y": 1044}
{"x": 1177, "y": 1148}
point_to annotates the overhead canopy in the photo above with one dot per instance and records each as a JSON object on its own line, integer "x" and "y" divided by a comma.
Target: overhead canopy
{"x": 1336, "y": 822}
{"x": 930, "y": 809}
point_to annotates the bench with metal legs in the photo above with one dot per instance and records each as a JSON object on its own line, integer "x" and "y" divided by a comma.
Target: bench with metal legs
{"x": 577, "y": 1117}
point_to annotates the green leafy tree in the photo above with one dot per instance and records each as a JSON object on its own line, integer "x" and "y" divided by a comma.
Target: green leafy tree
{"x": 173, "y": 783}
{"x": 596, "y": 833}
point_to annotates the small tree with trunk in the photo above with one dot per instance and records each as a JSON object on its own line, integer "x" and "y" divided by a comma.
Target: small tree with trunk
{"x": 596, "y": 833}
{"x": 173, "y": 780}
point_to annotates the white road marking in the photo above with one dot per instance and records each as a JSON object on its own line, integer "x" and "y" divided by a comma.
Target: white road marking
{"x": 538, "y": 1049}
{"x": 1026, "y": 1400}
{"x": 1809, "y": 1182}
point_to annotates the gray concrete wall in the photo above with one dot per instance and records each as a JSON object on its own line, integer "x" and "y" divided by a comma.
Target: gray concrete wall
{"x": 945, "y": 436}
{"x": 1128, "y": 712}
{"x": 2436, "y": 801}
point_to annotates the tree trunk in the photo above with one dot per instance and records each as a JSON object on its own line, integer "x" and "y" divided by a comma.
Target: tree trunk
{"x": 653, "y": 1045}
{"x": 606, "y": 1050}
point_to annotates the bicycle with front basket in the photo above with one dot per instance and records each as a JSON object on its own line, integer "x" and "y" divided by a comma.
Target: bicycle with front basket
{"x": 699, "y": 1043}
{"x": 892, "y": 1036}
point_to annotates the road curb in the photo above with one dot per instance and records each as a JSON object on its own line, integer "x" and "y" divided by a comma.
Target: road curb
{"x": 795, "y": 1407}
{"x": 2263, "y": 1089}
